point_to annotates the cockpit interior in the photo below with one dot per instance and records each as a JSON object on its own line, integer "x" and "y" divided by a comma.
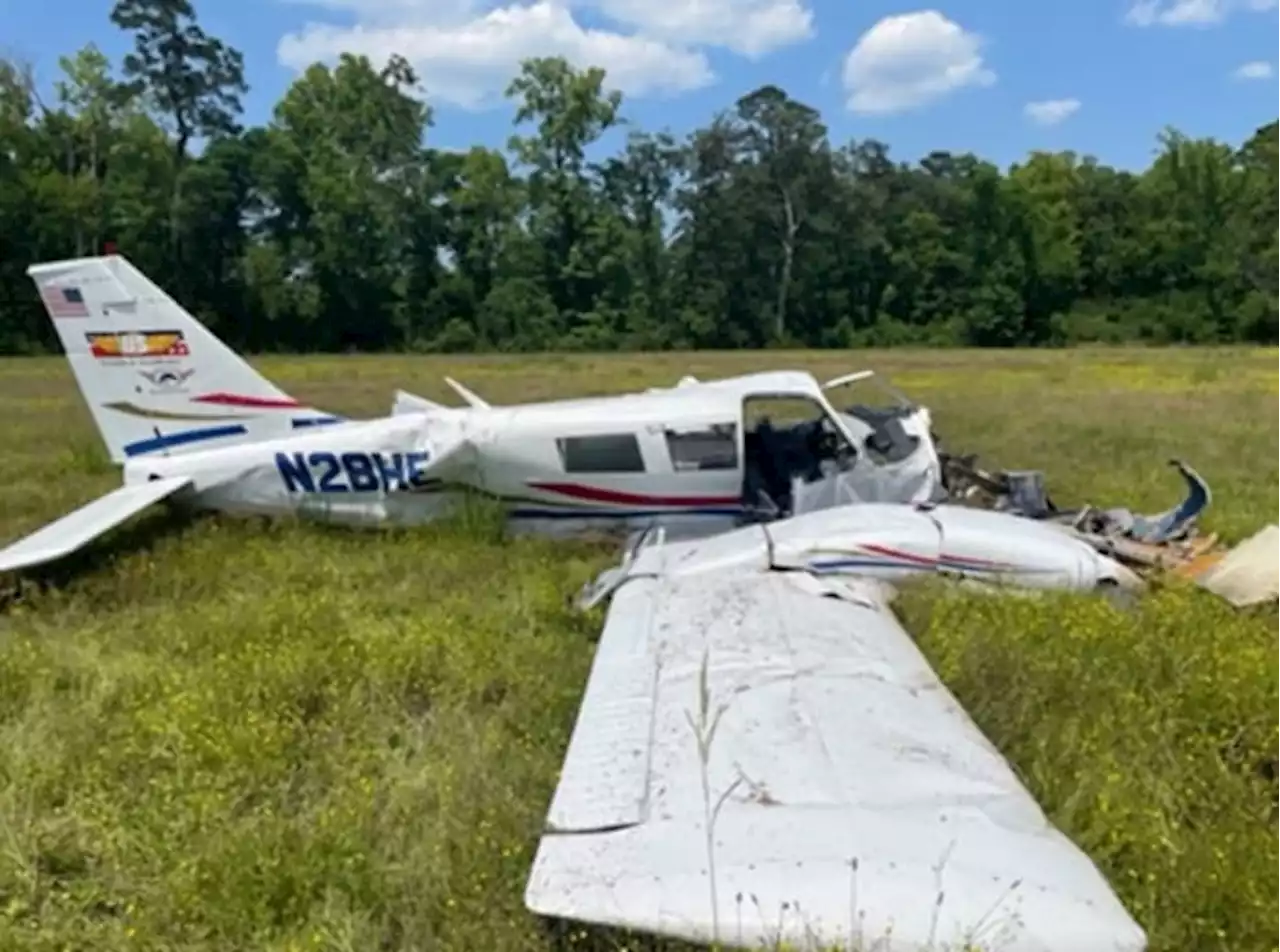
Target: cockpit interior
{"x": 808, "y": 450}
{"x": 776, "y": 455}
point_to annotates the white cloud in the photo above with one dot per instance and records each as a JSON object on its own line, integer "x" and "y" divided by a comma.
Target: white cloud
{"x": 1176, "y": 12}
{"x": 1190, "y": 12}
{"x": 1050, "y": 112}
{"x": 749, "y": 27}
{"x": 908, "y": 60}
{"x": 466, "y": 51}
{"x": 1258, "y": 69}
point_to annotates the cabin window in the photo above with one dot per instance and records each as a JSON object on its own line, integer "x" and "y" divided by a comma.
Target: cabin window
{"x": 612, "y": 453}
{"x": 697, "y": 450}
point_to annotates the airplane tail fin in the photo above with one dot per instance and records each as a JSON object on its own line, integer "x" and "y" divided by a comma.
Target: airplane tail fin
{"x": 157, "y": 381}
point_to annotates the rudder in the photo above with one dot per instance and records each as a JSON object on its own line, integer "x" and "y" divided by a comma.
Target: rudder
{"x": 156, "y": 380}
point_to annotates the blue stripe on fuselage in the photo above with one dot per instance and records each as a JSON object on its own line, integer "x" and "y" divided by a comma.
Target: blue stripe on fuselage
{"x": 182, "y": 438}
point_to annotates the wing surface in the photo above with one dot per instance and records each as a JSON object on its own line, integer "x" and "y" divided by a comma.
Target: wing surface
{"x": 81, "y": 526}
{"x": 852, "y": 796}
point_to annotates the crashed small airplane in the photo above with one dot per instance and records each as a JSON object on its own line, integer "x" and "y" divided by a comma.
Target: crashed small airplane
{"x": 762, "y": 755}
{"x": 192, "y": 423}
{"x": 1169, "y": 543}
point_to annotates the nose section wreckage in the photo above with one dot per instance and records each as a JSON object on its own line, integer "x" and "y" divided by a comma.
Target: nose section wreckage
{"x": 1167, "y": 543}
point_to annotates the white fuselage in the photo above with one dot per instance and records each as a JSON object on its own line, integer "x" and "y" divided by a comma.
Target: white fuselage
{"x": 665, "y": 458}
{"x": 412, "y": 468}
{"x": 358, "y": 473}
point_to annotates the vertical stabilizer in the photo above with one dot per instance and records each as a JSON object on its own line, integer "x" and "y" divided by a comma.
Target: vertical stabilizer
{"x": 156, "y": 380}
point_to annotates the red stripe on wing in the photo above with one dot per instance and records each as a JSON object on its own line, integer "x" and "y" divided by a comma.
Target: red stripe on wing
{"x": 899, "y": 554}
{"x": 944, "y": 557}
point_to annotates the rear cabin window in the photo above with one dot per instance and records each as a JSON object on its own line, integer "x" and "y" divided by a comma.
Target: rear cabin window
{"x": 612, "y": 453}
{"x": 716, "y": 447}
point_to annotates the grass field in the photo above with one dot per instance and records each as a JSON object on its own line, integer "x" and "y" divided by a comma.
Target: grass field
{"x": 222, "y": 735}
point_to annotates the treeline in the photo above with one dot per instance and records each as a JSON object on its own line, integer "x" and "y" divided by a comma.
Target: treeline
{"x": 338, "y": 226}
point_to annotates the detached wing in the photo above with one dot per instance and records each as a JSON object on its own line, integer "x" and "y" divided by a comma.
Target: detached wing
{"x": 855, "y": 797}
{"x": 79, "y": 528}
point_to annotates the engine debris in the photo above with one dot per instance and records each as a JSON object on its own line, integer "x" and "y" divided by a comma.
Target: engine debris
{"x": 1169, "y": 542}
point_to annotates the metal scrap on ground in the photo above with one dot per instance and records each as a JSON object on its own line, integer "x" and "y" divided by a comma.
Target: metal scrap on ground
{"x": 1168, "y": 543}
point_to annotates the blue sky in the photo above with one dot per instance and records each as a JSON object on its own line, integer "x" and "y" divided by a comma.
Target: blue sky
{"x": 998, "y": 78}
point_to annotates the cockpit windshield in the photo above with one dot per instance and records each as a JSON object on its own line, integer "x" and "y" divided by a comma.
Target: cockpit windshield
{"x": 877, "y": 414}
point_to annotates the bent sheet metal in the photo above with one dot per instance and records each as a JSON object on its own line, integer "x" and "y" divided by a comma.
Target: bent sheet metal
{"x": 1169, "y": 542}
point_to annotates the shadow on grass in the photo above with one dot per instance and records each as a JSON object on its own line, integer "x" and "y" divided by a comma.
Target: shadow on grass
{"x": 566, "y": 936}
{"x": 99, "y": 555}
{"x": 477, "y": 519}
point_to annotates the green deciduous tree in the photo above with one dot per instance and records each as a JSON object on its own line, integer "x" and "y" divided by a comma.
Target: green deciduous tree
{"x": 192, "y": 81}
{"x": 337, "y": 226}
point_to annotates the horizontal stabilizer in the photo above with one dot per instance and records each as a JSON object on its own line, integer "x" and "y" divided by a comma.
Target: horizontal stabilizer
{"x": 406, "y": 402}
{"x": 77, "y": 529}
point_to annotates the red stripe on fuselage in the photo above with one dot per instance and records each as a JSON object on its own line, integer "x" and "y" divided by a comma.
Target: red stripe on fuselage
{"x": 618, "y": 498}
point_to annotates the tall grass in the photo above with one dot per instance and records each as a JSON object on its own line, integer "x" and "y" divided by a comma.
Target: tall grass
{"x": 225, "y": 735}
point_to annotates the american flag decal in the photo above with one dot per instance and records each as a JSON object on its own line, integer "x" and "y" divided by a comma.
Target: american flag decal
{"x": 63, "y": 301}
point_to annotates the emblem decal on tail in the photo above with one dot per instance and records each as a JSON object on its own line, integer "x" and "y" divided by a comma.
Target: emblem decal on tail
{"x": 165, "y": 380}
{"x": 129, "y": 344}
